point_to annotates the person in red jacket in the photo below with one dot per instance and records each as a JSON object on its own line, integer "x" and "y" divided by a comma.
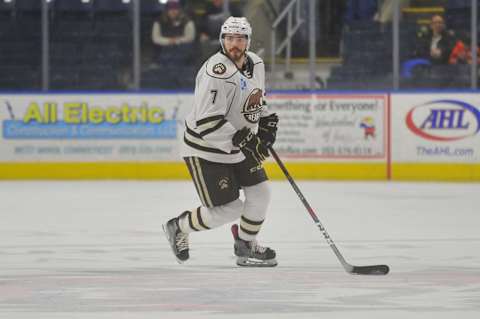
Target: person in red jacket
{"x": 461, "y": 52}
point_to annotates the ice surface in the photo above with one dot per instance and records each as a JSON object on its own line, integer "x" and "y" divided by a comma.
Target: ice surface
{"x": 96, "y": 250}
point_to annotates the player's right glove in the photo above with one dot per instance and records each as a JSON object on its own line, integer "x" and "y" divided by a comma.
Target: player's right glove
{"x": 250, "y": 145}
{"x": 267, "y": 129}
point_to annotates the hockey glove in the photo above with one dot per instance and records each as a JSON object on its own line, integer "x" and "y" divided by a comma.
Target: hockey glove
{"x": 250, "y": 145}
{"x": 267, "y": 129}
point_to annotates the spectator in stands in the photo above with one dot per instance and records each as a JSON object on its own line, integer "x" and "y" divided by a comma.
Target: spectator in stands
{"x": 435, "y": 45}
{"x": 216, "y": 12}
{"x": 173, "y": 33}
{"x": 461, "y": 52}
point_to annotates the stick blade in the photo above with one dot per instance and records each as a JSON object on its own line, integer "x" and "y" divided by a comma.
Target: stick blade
{"x": 370, "y": 270}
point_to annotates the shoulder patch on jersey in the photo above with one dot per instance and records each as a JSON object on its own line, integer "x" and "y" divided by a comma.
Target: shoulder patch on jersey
{"x": 219, "y": 68}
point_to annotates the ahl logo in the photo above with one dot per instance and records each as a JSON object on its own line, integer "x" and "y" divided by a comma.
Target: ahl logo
{"x": 253, "y": 106}
{"x": 444, "y": 120}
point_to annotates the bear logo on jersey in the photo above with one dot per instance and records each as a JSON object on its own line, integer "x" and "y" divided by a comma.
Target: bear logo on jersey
{"x": 224, "y": 183}
{"x": 219, "y": 68}
{"x": 253, "y": 106}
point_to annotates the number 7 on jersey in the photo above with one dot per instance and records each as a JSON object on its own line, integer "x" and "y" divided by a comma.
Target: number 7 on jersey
{"x": 214, "y": 93}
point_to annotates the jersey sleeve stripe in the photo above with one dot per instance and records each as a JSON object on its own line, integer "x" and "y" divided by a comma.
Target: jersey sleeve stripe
{"x": 213, "y": 129}
{"x": 192, "y": 132}
{"x": 209, "y": 119}
{"x": 195, "y": 140}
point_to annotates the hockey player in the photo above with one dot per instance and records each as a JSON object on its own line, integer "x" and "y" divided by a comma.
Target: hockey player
{"x": 226, "y": 139}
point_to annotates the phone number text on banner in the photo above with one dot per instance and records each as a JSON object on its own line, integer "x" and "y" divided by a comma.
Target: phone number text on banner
{"x": 323, "y": 126}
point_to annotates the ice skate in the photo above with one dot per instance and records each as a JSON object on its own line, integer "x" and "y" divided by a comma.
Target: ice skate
{"x": 250, "y": 254}
{"x": 178, "y": 240}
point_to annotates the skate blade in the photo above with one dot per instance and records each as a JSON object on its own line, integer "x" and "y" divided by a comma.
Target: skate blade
{"x": 164, "y": 227}
{"x": 252, "y": 262}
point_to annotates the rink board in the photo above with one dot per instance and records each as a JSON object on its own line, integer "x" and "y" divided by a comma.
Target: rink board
{"x": 175, "y": 170}
{"x": 333, "y": 136}
{"x": 435, "y": 136}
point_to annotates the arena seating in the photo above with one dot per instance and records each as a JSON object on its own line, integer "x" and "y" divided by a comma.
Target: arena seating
{"x": 367, "y": 52}
{"x": 90, "y": 45}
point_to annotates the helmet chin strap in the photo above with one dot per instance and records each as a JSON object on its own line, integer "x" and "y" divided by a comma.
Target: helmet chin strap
{"x": 223, "y": 46}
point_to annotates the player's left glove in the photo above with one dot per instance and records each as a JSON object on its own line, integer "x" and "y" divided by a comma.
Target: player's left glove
{"x": 250, "y": 145}
{"x": 267, "y": 129}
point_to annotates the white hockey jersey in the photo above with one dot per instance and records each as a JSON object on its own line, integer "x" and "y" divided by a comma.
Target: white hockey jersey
{"x": 226, "y": 100}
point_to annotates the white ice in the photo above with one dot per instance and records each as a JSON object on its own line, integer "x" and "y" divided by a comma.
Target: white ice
{"x": 96, "y": 250}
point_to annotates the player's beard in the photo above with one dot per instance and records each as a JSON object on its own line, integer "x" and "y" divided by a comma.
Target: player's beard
{"x": 236, "y": 54}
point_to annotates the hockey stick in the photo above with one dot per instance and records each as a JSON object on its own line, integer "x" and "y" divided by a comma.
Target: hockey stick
{"x": 357, "y": 270}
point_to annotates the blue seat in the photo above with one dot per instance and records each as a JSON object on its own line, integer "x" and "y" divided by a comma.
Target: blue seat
{"x": 409, "y": 66}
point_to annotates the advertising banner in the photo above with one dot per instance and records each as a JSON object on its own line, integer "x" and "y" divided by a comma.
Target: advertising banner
{"x": 326, "y": 127}
{"x": 440, "y": 128}
{"x": 92, "y": 127}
